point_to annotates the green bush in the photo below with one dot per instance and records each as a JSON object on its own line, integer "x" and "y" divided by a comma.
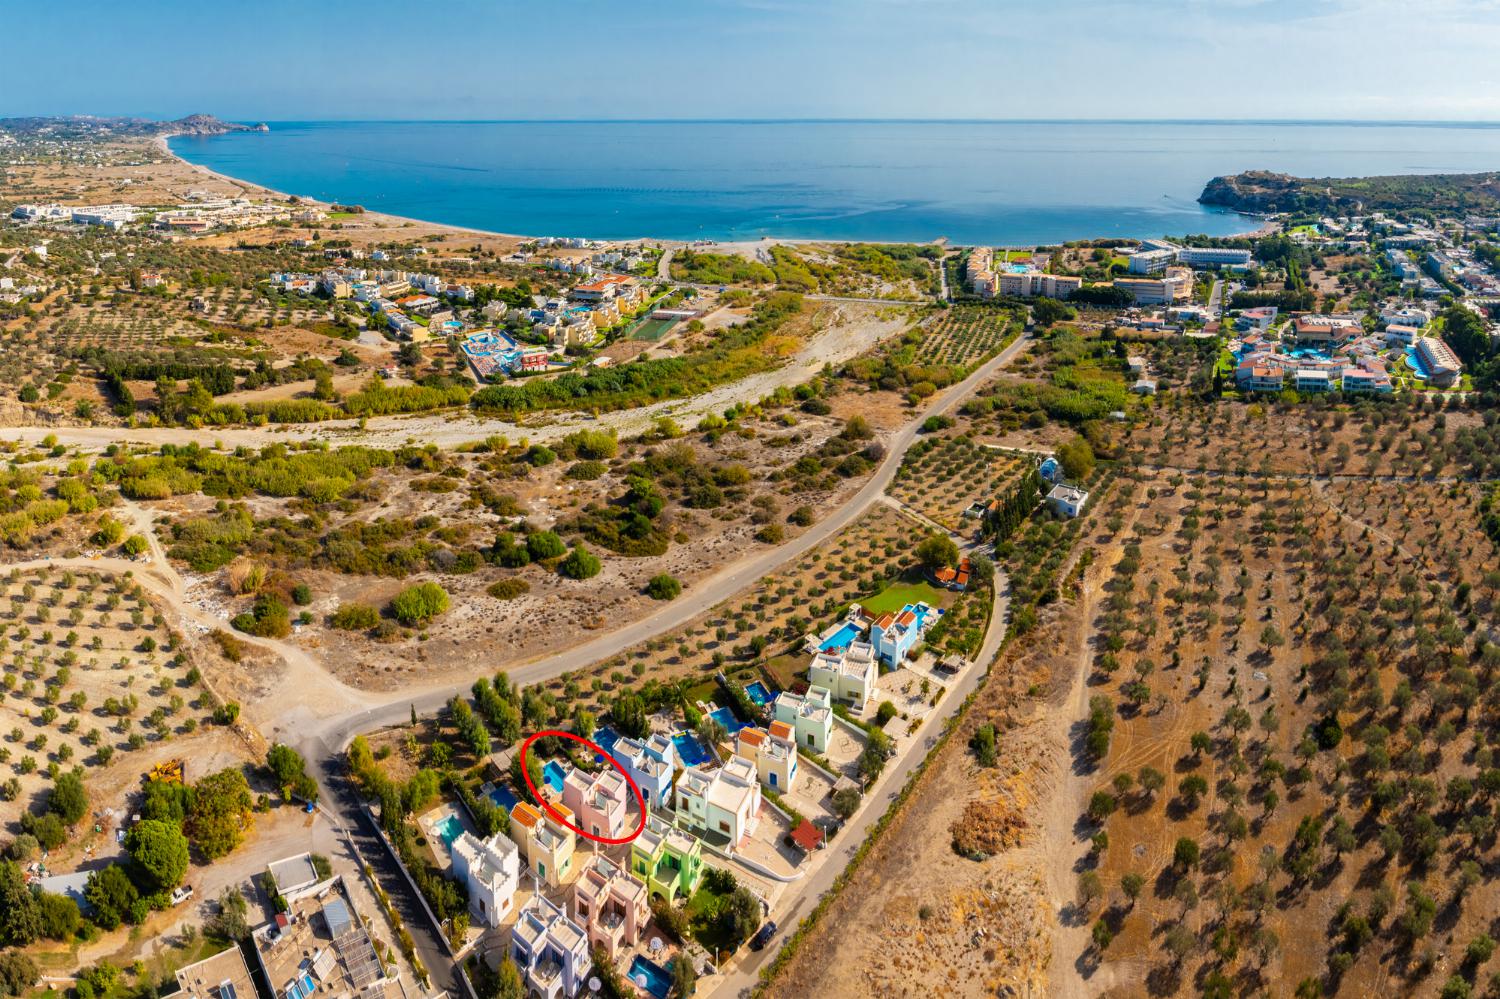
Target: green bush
{"x": 355, "y": 617}
{"x": 542, "y": 545}
{"x": 663, "y": 587}
{"x": 419, "y": 604}
{"x": 579, "y": 564}
{"x": 508, "y": 589}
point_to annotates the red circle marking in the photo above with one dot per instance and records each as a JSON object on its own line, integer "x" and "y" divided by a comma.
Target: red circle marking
{"x": 551, "y": 809}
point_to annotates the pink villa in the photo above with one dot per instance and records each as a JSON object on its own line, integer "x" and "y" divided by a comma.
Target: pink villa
{"x": 598, "y": 801}
{"x": 611, "y": 904}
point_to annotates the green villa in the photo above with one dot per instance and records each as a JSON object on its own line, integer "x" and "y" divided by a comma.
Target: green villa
{"x": 669, "y": 860}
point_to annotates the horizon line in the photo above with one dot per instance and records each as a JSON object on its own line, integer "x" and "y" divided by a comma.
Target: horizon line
{"x": 773, "y": 120}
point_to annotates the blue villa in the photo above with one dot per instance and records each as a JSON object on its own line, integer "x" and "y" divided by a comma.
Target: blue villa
{"x": 1050, "y": 470}
{"x": 894, "y": 634}
{"x": 650, "y": 764}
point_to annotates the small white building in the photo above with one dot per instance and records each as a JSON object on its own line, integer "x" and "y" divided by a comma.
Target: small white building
{"x": 492, "y": 871}
{"x": 1067, "y": 500}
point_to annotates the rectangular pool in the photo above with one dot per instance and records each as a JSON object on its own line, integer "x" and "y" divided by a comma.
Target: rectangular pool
{"x": 760, "y": 695}
{"x": 448, "y": 829}
{"x": 724, "y": 716}
{"x": 605, "y": 738}
{"x": 842, "y": 638}
{"x": 504, "y": 797}
{"x": 554, "y": 774}
{"x": 689, "y": 750}
{"x": 650, "y": 976}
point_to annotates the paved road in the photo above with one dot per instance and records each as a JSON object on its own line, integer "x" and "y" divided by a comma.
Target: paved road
{"x": 744, "y": 972}
{"x": 322, "y": 741}
{"x": 319, "y": 738}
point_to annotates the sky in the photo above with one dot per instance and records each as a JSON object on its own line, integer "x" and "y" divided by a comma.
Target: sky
{"x": 519, "y": 59}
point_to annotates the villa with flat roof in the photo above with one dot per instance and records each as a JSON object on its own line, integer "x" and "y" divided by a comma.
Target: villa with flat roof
{"x": 668, "y": 859}
{"x": 611, "y": 904}
{"x": 598, "y": 800}
{"x": 551, "y": 951}
{"x": 848, "y": 675}
{"x": 650, "y": 764}
{"x": 775, "y": 757}
{"x": 1067, "y": 500}
{"x": 810, "y": 715}
{"x": 223, "y": 976}
{"x": 546, "y": 846}
{"x": 725, "y": 801}
{"x": 491, "y": 868}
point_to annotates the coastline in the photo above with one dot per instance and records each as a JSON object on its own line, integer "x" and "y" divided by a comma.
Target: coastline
{"x": 1265, "y": 227}
{"x": 164, "y": 145}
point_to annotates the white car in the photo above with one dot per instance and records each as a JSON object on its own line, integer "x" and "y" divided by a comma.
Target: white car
{"x": 182, "y": 894}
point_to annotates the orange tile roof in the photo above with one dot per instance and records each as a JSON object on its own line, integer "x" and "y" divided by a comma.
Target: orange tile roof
{"x": 752, "y": 736}
{"x": 807, "y": 836}
{"x": 526, "y": 814}
{"x": 907, "y": 617}
{"x": 944, "y": 575}
{"x": 781, "y": 729}
{"x": 885, "y": 621}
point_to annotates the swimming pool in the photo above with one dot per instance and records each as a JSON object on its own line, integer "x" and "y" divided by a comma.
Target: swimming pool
{"x": 448, "y": 829}
{"x": 504, "y": 797}
{"x": 727, "y": 718}
{"x": 760, "y": 695}
{"x": 842, "y": 638}
{"x": 689, "y": 750}
{"x": 605, "y": 738}
{"x": 650, "y": 976}
{"x": 1414, "y": 361}
{"x": 553, "y": 773}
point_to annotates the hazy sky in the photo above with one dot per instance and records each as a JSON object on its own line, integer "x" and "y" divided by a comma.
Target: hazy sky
{"x": 312, "y": 59}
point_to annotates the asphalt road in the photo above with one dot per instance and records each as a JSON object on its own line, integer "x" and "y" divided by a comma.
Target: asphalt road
{"x": 745, "y": 972}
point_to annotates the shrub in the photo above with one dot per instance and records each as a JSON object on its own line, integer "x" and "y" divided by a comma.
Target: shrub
{"x": 543, "y": 545}
{"x": 419, "y": 604}
{"x": 580, "y": 564}
{"x": 663, "y": 587}
{"x": 68, "y": 800}
{"x": 355, "y": 617}
{"x": 135, "y": 545}
{"x": 885, "y": 712}
{"x": 508, "y": 589}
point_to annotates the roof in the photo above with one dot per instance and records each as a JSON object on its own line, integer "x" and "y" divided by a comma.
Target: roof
{"x": 807, "y": 836}
{"x": 752, "y": 736}
{"x": 525, "y": 813}
{"x": 781, "y": 729}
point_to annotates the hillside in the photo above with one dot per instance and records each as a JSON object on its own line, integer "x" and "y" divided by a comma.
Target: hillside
{"x": 1263, "y": 191}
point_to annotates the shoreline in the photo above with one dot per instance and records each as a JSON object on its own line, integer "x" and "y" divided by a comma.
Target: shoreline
{"x": 1265, "y": 227}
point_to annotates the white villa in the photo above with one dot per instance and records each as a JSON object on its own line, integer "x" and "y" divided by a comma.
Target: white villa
{"x": 848, "y": 675}
{"x": 492, "y": 870}
{"x": 810, "y": 716}
{"x": 726, "y": 800}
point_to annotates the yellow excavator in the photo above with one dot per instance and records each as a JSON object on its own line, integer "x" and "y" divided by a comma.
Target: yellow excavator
{"x": 168, "y": 772}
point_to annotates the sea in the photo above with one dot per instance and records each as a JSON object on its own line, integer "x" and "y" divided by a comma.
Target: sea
{"x": 1004, "y": 183}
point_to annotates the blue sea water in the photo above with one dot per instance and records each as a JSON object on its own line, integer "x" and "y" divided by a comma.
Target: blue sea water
{"x": 1004, "y": 183}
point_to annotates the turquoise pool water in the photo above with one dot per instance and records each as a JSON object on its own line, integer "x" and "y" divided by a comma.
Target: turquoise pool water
{"x": 689, "y": 750}
{"x": 842, "y": 638}
{"x": 651, "y": 976}
{"x": 726, "y": 717}
{"x": 553, "y": 772}
{"x": 448, "y": 829}
{"x": 760, "y": 695}
{"x": 1414, "y": 361}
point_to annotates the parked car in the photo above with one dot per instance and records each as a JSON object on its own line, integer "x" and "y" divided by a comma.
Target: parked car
{"x": 763, "y": 937}
{"x": 182, "y": 894}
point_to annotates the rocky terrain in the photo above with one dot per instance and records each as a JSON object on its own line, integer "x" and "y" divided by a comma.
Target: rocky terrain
{"x": 1262, "y": 191}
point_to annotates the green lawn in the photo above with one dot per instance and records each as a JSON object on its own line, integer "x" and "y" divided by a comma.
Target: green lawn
{"x": 899, "y": 594}
{"x": 702, "y": 910}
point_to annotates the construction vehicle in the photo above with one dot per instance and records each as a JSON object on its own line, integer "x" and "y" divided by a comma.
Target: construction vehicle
{"x": 169, "y": 772}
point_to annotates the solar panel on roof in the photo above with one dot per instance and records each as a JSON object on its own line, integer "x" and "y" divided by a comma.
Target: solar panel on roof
{"x": 226, "y": 990}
